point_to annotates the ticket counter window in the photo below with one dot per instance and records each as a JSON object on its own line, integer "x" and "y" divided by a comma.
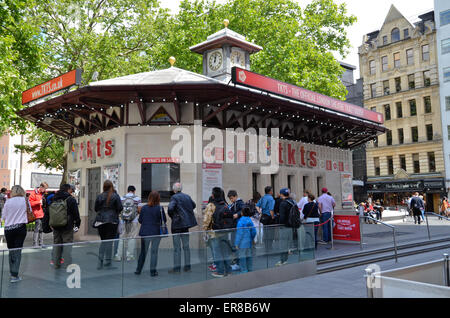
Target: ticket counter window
{"x": 159, "y": 177}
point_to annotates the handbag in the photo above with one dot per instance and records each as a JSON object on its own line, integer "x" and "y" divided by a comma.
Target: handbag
{"x": 163, "y": 226}
{"x": 265, "y": 219}
{"x": 30, "y": 215}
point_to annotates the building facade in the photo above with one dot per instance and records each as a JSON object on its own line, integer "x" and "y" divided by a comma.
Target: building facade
{"x": 398, "y": 64}
{"x": 442, "y": 16}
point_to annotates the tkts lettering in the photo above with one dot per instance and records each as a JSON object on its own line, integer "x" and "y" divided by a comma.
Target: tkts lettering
{"x": 90, "y": 150}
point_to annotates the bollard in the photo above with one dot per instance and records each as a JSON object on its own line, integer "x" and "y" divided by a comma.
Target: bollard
{"x": 428, "y": 227}
{"x": 369, "y": 282}
{"x": 446, "y": 271}
{"x": 360, "y": 233}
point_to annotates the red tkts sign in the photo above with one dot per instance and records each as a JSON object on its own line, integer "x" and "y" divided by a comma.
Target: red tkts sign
{"x": 247, "y": 78}
{"x": 52, "y": 86}
{"x": 346, "y": 228}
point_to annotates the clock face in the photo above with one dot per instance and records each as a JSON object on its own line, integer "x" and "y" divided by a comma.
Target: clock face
{"x": 215, "y": 60}
{"x": 237, "y": 58}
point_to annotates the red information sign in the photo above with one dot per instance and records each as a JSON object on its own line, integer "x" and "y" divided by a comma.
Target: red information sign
{"x": 52, "y": 86}
{"x": 346, "y": 228}
{"x": 161, "y": 160}
{"x": 250, "y": 79}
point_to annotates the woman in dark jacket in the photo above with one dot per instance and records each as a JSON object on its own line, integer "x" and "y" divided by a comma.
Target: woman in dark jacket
{"x": 151, "y": 217}
{"x": 108, "y": 207}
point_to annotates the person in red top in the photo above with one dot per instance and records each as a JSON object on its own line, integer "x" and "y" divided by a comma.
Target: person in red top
{"x": 36, "y": 205}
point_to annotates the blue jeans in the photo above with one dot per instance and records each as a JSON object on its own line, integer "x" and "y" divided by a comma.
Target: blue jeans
{"x": 145, "y": 243}
{"x": 181, "y": 237}
{"x": 222, "y": 253}
{"x": 423, "y": 214}
{"x": 245, "y": 259}
{"x": 326, "y": 229}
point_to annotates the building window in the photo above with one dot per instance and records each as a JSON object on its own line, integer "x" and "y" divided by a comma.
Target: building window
{"x": 426, "y": 78}
{"x": 385, "y": 40}
{"x": 410, "y": 56}
{"x": 416, "y": 163}
{"x": 387, "y": 112}
{"x": 390, "y": 165}
{"x": 426, "y": 52}
{"x": 374, "y": 109}
{"x": 159, "y": 177}
{"x": 411, "y": 81}
{"x": 376, "y": 163}
{"x": 403, "y": 162}
{"x": 448, "y": 132}
{"x": 386, "y": 87}
{"x": 375, "y": 142}
{"x": 401, "y": 138}
{"x": 373, "y": 90}
{"x": 389, "y": 137}
{"x": 445, "y": 46}
{"x": 447, "y": 103}
{"x": 384, "y": 63}
{"x": 447, "y": 74}
{"x": 405, "y": 33}
{"x": 414, "y": 134}
{"x": 398, "y": 84}
{"x": 431, "y": 162}
{"x": 429, "y": 129}
{"x": 372, "y": 67}
{"x": 427, "y": 104}
{"x": 445, "y": 17}
{"x": 412, "y": 107}
{"x": 397, "y": 59}
{"x": 398, "y": 105}
{"x": 395, "y": 35}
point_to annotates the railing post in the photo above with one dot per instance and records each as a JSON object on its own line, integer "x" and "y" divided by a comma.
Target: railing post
{"x": 360, "y": 233}
{"x": 428, "y": 227}
{"x": 369, "y": 282}
{"x": 331, "y": 230}
{"x": 395, "y": 245}
{"x": 446, "y": 270}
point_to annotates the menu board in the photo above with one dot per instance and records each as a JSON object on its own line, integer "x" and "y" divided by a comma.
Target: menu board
{"x": 347, "y": 190}
{"x": 111, "y": 173}
{"x": 211, "y": 177}
{"x": 75, "y": 179}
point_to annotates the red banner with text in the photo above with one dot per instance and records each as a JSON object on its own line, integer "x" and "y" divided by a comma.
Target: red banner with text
{"x": 346, "y": 228}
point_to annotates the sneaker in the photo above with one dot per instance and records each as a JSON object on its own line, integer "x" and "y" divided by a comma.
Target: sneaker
{"x": 215, "y": 274}
{"x": 15, "y": 279}
{"x": 117, "y": 258}
{"x": 322, "y": 242}
{"x": 280, "y": 263}
{"x": 212, "y": 267}
{"x": 235, "y": 267}
{"x": 130, "y": 258}
{"x": 173, "y": 271}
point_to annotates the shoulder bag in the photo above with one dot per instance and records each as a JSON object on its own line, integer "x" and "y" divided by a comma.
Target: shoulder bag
{"x": 30, "y": 215}
{"x": 163, "y": 226}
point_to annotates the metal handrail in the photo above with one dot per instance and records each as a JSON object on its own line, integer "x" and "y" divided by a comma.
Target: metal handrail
{"x": 393, "y": 233}
{"x": 438, "y": 215}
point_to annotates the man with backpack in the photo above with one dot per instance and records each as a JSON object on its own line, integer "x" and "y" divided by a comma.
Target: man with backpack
{"x": 64, "y": 220}
{"x": 416, "y": 205}
{"x": 290, "y": 219}
{"x": 129, "y": 224}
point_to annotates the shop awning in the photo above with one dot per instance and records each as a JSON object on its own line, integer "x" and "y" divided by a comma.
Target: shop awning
{"x": 105, "y": 104}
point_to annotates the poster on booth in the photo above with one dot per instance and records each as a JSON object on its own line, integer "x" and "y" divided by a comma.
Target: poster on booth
{"x": 347, "y": 190}
{"x": 112, "y": 173}
{"x": 211, "y": 177}
{"x": 346, "y": 228}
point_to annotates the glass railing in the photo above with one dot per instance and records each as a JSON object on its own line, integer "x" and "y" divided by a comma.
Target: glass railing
{"x": 83, "y": 275}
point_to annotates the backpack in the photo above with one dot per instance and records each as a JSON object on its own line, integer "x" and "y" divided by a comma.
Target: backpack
{"x": 58, "y": 213}
{"x": 129, "y": 211}
{"x": 294, "y": 216}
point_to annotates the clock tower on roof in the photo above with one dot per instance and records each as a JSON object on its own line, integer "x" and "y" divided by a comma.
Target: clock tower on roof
{"x": 223, "y": 50}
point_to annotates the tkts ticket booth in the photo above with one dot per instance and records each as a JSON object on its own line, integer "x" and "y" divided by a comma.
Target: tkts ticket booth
{"x": 155, "y": 128}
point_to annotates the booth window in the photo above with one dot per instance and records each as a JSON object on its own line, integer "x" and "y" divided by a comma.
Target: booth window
{"x": 159, "y": 177}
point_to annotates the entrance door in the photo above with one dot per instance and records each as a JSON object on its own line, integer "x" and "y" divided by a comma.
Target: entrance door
{"x": 94, "y": 187}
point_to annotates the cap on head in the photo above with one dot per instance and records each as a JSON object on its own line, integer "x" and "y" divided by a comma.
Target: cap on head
{"x": 285, "y": 192}
{"x": 324, "y": 190}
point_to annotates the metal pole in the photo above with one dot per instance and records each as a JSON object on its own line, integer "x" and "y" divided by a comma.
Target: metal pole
{"x": 369, "y": 279}
{"x": 360, "y": 233}
{"x": 331, "y": 231}
{"x": 446, "y": 271}
{"x": 395, "y": 245}
{"x": 428, "y": 227}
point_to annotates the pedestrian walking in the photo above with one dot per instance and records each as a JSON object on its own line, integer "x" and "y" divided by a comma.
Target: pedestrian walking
{"x": 15, "y": 217}
{"x": 3, "y": 197}
{"x": 286, "y": 233}
{"x": 36, "y": 202}
{"x": 422, "y": 209}
{"x": 108, "y": 207}
{"x": 129, "y": 224}
{"x": 151, "y": 217}
{"x": 64, "y": 220}
{"x": 220, "y": 242}
{"x": 266, "y": 206}
{"x": 416, "y": 205}
{"x": 326, "y": 208}
{"x": 231, "y": 219}
{"x": 245, "y": 234}
{"x": 181, "y": 211}
{"x": 312, "y": 215}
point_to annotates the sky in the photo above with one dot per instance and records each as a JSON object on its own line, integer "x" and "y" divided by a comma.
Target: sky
{"x": 370, "y": 15}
